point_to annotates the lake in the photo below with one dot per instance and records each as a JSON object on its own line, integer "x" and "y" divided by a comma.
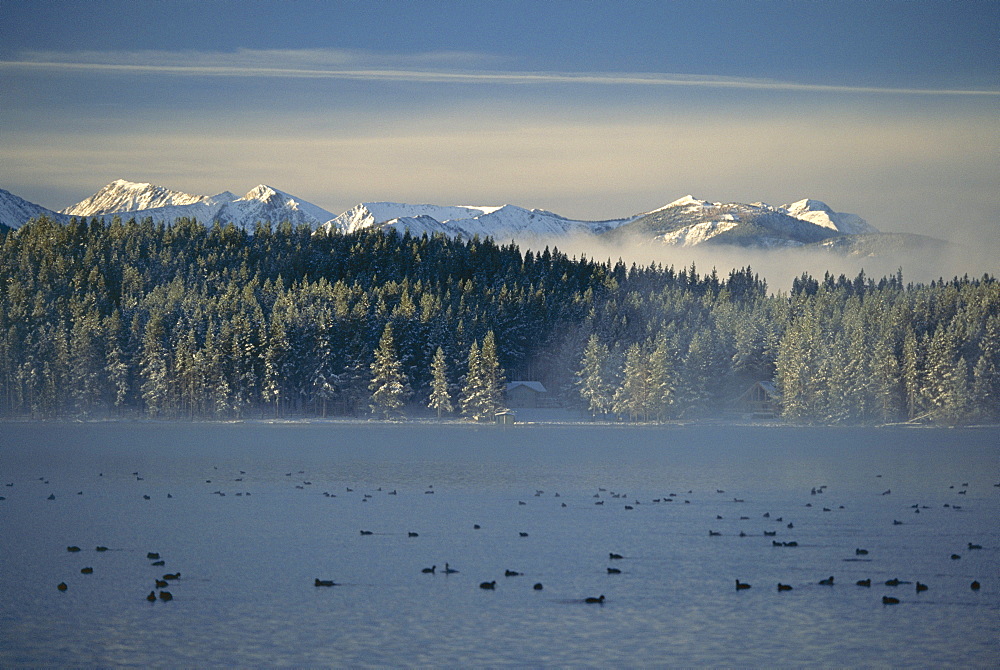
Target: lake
{"x": 251, "y": 514}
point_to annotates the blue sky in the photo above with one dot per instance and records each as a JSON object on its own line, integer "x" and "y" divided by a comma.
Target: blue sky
{"x": 590, "y": 109}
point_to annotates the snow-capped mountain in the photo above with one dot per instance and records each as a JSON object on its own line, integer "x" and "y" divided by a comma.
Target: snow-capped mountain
{"x": 505, "y": 222}
{"x": 263, "y": 203}
{"x": 688, "y": 222}
{"x": 127, "y": 196}
{"x": 15, "y": 210}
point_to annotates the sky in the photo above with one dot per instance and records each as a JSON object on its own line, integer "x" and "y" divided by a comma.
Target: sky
{"x": 593, "y": 110}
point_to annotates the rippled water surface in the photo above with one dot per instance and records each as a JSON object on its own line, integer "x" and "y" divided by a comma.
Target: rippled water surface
{"x": 251, "y": 514}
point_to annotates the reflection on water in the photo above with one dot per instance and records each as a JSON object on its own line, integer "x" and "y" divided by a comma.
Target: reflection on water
{"x": 252, "y": 514}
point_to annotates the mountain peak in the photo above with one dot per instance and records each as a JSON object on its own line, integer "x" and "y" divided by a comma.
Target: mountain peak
{"x": 122, "y": 195}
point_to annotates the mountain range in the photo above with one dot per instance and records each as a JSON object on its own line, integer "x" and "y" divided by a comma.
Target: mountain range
{"x": 684, "y": 222}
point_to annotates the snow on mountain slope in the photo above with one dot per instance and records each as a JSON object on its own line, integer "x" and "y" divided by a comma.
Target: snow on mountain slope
{"x": 820, "y": 213}
{"x": 162, "y": 205}
{"x": 265, "y": 203}
{"x": 15, "y": 211}
{"x": 126, "y": 196}
{"x": 689, "y": 221}
{"x": 374, "y": 214}
{"x": 465, "y": 220}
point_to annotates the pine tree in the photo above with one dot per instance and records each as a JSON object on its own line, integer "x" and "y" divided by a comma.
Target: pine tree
{"x": 471, "y": 399}
{"x": 595, "y": 377}
{"x": 632, "y": 397}
{"x": 440, "y": 399}
{"x": 389, "y": 387}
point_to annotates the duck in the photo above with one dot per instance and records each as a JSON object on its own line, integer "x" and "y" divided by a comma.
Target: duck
{"x": 784, "y": 587}
{"x": 538, "y": 586}
{"x": 73, "y": 549}
{"x": 523, "y": 534}
{"x": 864, "y": 582}
{"x": 740, "y": 586}
{"x": 599, "y": 600}
{"x": 412, "y": 534}
{"x": 614, "y": 556}
{"x": 324, "y": 582}
{"x": 159, "y": 563}
{"x": 614, "y": 571}
{"x": 160, "y": 584}
{"x": 827, "y": 582}
{"x": 367, "y": 532}
{"x": 714, "y": 533}
{"x": 975, "y": 546}
{"x": 101, "y": 548}
{"x": 974, "y": 586}
{"x": 62, "y": 586}
{"x": 87, "y": 571}
{"x": 448, "y": 570}
{"x": 489, "y": 586}
{"x": 152, "y": 555}
{"x": 430, "y": 570}
{"x": 893, "y": 582}
{"x": 151, "y": 597}
{"x": 175, "y": 575}
{"x": 860, "y": 552}
{"x": 921, "y": 587}
{"x": 955, "y": 557}
{"x": 512, "y": 573}
{"x": 166, "y": 595}
{"x": 889, "y": 600}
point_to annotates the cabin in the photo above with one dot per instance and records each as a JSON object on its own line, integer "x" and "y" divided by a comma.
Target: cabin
{"x": 761, "y": 400}
{"x": 526, "y": 394}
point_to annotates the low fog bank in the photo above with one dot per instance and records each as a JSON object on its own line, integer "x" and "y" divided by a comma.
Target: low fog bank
{"x": 780, "y": 266}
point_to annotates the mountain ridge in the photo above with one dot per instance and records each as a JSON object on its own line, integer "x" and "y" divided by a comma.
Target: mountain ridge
{"x": 684, "y": 222}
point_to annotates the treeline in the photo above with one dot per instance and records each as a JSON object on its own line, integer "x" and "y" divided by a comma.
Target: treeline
{"x": 183, "y": 320}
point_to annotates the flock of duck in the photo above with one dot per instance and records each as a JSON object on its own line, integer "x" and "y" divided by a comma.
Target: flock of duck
{"x": 603, "y": 495}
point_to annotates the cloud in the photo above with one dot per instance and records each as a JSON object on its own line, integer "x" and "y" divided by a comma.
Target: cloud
{"x": 426, "y": 68}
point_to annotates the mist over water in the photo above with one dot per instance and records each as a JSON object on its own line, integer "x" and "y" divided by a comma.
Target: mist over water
{"x": 251, "y": 514}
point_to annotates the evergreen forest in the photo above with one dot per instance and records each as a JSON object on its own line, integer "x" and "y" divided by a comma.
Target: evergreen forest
{"x": 183, "y": 321}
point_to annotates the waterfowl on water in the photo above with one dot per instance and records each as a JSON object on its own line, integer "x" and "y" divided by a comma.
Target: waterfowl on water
{"x": 512, "y": 573}
{"x": 974, "y": 586}
{"x": 152, "y": 555}
{"x": 827, "y": 582}
{"x": 975, "y": 546}
{"x": 324, "y": 582}
{"x": 448, "y": 570}
{"x": 430, "y": 570}
{"x": 599, "y": 600}
{"x": 73, "y": 548}
{"x": 175, "y": 575}
{"x": 741, "y": 586}
{"x": 860, "y": 552}
{"x": 955, "y": 557}
{"x": 62, "y": 586}
{"x": 159, "y": 563}
{"x": 86, "y": 571}
{"x": 101, "y": 548}
{"x": 614, "y": 556}
{"x": 889, "y": 600}
{"x": 614, "y": 571}
{"x": 784, "y": 587}
{"x": 489, "y": 586}
{"x": 412, "y": 535}
{"x": 160, "y": 584}
{"x": 893, "y": 582}
{"x": 523, "y": 534}
{"x": 166, "y": 595}
{"x": 367, "y": 532}
{"x": 864, "y": 582}
{"x": 538, "y": 586}
{"x": 921, "y": 587}
{"x": 151, "y": 597}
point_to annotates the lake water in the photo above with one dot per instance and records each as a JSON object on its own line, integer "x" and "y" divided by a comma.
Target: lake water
{"x": 251, "y": 514}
